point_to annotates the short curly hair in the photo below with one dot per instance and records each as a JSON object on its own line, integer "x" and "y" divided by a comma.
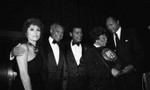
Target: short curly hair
{"x": 96, "y": 32}
{"x": 32, "y": 21}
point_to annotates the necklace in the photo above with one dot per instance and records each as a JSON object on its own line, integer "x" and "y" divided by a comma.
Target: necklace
{"x": 34, "y": 47}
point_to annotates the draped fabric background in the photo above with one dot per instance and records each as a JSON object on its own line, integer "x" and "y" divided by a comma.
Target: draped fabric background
{"x": 70, "y": 13}
{"x": 84, "y": 13}
{"x": 87, "y": 13}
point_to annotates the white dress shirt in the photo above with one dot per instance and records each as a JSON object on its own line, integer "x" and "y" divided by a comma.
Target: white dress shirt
{"x": 55, "y": 49}
{"x": 118, "y": 34}
{"x": 77, "y": 52}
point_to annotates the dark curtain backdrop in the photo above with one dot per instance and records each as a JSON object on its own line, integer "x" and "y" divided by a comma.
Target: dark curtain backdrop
{"x": 84, "y": 13}
{"x": 70, "y": 13}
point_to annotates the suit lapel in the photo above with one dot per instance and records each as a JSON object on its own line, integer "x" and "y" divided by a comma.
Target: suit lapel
{"x": 71, "y": 55}
{"x": 61, "y": 57}
{"x": 124, "y": 35}
{"x": 83, "y": 50}
{"x": 49, "y": 55}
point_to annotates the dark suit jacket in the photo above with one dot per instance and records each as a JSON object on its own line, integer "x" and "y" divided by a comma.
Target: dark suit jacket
{"x": 73, "y": 68}
{"x": 129, "y": 48}
{"x": 51, "y": 70}
{"x": 130, "y": 51}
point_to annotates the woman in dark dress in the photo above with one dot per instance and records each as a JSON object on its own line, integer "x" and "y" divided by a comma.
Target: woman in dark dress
{"x": 29, "y": 65}
{"x": 101, "y": 62}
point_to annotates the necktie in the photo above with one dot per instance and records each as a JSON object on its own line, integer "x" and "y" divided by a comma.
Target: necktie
{"x": 117, "y": 39}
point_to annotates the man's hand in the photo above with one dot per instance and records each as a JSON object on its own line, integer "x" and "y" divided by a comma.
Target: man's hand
{"x": 128, "y": 69}
{"x": 18, "y": 51}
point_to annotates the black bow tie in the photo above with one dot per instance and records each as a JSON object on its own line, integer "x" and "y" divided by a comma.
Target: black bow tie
{"x": 76, "y": 43}
{"x": 55, "y": 42}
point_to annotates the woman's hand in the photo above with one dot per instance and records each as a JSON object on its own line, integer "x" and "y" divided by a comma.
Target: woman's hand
{"x": 115, "y": 72}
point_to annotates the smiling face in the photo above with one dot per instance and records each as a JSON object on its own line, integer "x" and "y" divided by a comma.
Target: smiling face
{"x": 102, "y": 40}
{"x": 112, "y": 24}
{"x": 76, "y": 35}
{"x": 33, "y": 33}
{"x": 57, "y": 33}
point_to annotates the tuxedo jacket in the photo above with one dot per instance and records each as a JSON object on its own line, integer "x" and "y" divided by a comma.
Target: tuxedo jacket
{"x": 129, "y": 49}
{"x": 50, "y": 69}
{"x": 72, "y": 68}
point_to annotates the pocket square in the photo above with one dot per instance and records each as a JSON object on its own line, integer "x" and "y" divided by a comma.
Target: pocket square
{"x": 126, "y": 40}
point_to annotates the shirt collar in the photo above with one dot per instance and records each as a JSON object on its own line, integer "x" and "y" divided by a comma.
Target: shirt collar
{"x": 97, "y": 46}
{"x": 119, "y": 32}
{"x": 51, "y": 40}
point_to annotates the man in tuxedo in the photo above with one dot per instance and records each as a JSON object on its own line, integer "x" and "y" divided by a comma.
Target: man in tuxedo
{"x": 53, "y": 57}
{"x": 126, "y": 44}
{"x": 75, "y": 62}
